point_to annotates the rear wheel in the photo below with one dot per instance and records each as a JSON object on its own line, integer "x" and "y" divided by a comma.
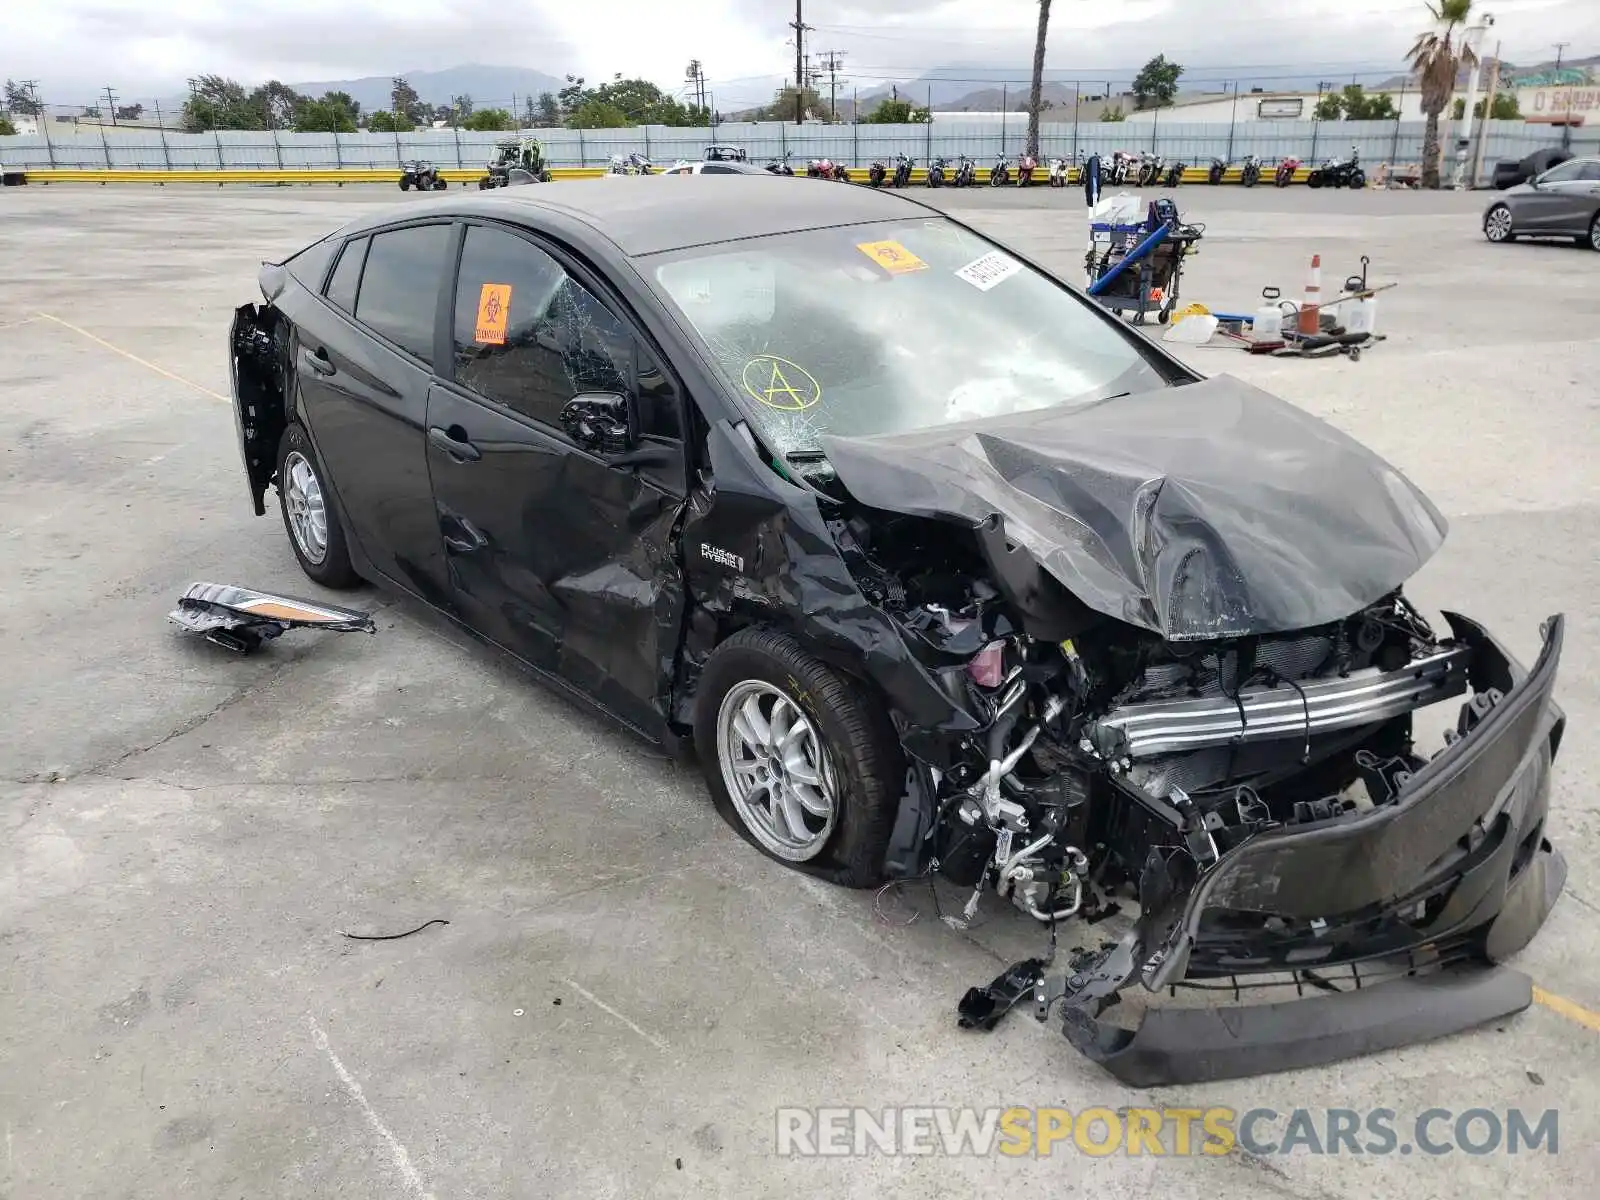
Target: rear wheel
{"x": 440, "y": 185}
{"x": 405, "y": 185}
{"x": 799, "y": 760}
{"x": 1594, "y": 232}
{"x": 1497, "y": 225}
{"x": 313, "y": 526}
{"x": 1358, "y": 180}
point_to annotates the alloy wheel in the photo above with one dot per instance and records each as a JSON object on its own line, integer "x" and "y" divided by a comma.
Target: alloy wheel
{"x": 308, "y": 511}
{"x": 777, "y": 771}
{"x": 1497, "y": 225}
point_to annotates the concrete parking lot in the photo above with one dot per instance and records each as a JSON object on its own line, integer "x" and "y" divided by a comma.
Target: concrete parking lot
{"x": 625, "y": 992}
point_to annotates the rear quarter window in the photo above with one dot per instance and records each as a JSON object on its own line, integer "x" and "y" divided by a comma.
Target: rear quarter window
{"x": 310, "y": 266}
{"x": 347, "y": 275}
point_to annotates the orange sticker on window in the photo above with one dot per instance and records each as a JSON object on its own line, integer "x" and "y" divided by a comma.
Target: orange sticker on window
{"x": 494, "y": 305}
{"x": 892, "y": 257}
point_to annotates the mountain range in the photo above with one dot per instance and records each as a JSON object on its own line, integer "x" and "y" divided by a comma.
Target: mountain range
{"x": 489, "y": 86}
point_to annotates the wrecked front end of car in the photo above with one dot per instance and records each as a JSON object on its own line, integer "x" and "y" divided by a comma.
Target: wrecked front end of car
{"x": 1173, "y": 631}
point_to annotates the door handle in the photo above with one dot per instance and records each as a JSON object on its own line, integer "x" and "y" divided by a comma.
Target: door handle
{"x": 457, "y": 448}
{"x": 317, "y": 360}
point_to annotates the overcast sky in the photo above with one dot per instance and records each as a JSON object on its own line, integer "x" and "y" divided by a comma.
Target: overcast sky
{"x": 150, "y": 46}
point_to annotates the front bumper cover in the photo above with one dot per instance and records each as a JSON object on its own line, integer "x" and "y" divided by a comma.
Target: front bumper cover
{"x": 1424, "y": 894}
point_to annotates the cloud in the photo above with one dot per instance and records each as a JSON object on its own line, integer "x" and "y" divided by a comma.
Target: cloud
{"x": 78, "y": 46}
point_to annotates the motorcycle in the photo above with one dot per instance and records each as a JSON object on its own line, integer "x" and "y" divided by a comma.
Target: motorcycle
{"x": 1025, "y": 168}
{"x": 1000, "y": 173}
{"x": 1339, "y": 172}
{"x": 1284, "y": 176}
{"x": 1174, "y": 175}
{"x": 902, "y": 170}
{"x": 1250, "y": 173}
{"x": 638, "y": 164}
{"x": 875, "y": 174}
{"x": 814, "y": 169}
{"x": 780, "y": 166}
{"x": 1124, "y": 167}
{"x": 1218, "y": 169}
{"x": 936, "y": 173}
{"x": 838, "y": 173}
{"x": 423, "y": 176}
{"x": 966, "y": 172}
{"x": 1060, "y": 172}
{"x": 1150, "y": 170}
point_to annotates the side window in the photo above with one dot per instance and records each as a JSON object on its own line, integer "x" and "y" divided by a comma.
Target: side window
{"x": 527, "y": 335}
{"x": 1591, "y": 171}
{"x": 659, "y": 413}
{"x": 400, "y": 285}
{"x": 342, "y": 286}
{"x": 1564, "y": 173}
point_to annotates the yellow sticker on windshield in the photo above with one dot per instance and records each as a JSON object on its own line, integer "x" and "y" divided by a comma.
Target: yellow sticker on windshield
{"x": 494, "y": 304}
{"x": 892, "y": 257}
{"x": 779, "y": 383}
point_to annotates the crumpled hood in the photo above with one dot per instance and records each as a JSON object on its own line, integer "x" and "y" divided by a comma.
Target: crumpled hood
{"x": 1203, "y": 511}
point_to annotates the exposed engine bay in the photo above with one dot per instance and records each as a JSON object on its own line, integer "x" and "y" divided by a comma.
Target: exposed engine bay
{"x": 1104, "y": 746}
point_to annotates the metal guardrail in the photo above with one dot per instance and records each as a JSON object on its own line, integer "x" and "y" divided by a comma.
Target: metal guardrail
{"x": 390, "y": 175}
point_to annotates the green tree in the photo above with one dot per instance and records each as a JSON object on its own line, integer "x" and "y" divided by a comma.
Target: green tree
{"x": 460, "y": 112}
{"x": 334, "y": 112}
{"x": 277, "y": 103}
{"x": 549, "y": 110}
{"x": 388, "y": 122}
{"x": 1112, "y": 115}
{"x": 490, "y": 119}
{"x": 896, "y": 112}
{"x": 530, "y": 113}
{"x": 20, "y": 101}
{"x": 1329, "y": 108}
{"x": 1506, "y": 108}
{"x": 1156, "y": 83}
{"x": 597, "y": 114}
{"x": 216, "y": 102}
{"x": 404, "y": 102}
{"x": 1437, "y": 57}
{"x": 571, "y": 97}
{"x": 7, "y": 129}
{"x": 1035, "y": 93}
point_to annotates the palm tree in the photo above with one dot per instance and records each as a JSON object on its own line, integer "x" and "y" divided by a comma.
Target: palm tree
{"x": 1038, "y": 79}
{"x": 1437, "y": 58}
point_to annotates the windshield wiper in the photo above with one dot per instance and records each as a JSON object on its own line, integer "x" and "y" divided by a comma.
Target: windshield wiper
{"x": 805, "y": 456}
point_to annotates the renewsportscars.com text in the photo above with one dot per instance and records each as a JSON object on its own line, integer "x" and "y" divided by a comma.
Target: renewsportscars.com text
{"x": 1209, "y": 1132}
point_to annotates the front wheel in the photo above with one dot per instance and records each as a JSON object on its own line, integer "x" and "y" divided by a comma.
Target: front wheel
{"x": 1497, "y": 224}
{"x": 308, "y": 514}
{"x": 440, "y": 185}
{"x": 799, "y": 759}
{"x": 1314, "y": 180}
{"x": 405, "y": 185}
{"x": 1358, "y": 180}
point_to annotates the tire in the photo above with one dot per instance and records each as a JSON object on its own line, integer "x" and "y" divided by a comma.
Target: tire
{"x": 333, "y": 569}
{"x": 405, "y": 185}
{"x": 440, "y": 185}
{"x": 1314, "y": 180}
{"x": 1358, "y": 181}
{"x": 860, "y": 751}
{"x": 1594, "y": 232}
{"x": 1498, "y": 226}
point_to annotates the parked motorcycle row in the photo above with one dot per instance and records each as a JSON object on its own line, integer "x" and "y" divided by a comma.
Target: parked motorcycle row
{"x": 1120, "y": 169}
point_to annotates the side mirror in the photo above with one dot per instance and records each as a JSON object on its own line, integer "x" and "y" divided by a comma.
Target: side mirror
{"x": 598, "y": 422}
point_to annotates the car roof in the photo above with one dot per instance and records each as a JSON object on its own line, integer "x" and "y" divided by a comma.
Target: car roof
{"x": 641, "y": 218}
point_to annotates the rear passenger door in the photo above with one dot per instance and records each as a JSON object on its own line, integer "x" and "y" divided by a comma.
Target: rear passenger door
{"x": 564, "y": 559}
{"x": 364, "y": 368}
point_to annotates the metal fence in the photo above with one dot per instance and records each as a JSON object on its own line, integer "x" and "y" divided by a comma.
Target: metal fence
{"x": 1392, "y": 142}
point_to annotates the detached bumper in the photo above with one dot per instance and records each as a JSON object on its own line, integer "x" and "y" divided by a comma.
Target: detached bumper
{"x": 1422, "y": 895}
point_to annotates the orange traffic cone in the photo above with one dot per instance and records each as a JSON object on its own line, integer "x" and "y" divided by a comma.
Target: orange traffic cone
{"x": 1311, "y": 306}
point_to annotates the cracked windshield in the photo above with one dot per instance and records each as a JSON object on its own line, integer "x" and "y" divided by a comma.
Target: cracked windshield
{"x": 869, "y": 329}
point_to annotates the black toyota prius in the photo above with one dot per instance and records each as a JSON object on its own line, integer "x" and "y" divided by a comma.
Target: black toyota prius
{"x": 937, "y": 567}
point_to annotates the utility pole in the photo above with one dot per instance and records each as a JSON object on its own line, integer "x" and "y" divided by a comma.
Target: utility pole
{"x": 1566, "y": 127}
{"x": 832, "y": 62}
{"x": 41, "y": 117}
{"x": 696, "y": 75}
{"x": 111, "y": 105}
{"x": 1488, "y": 112}
{"x": 799, "y": 26}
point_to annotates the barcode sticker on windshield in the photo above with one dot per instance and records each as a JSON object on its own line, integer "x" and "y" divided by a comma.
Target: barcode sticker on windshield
{"x": 994, "y": 267}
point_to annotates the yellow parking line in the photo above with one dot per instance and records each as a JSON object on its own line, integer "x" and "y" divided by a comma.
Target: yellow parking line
{"x": 143, "y": 362}
{"x": 1576, "y": 1013}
